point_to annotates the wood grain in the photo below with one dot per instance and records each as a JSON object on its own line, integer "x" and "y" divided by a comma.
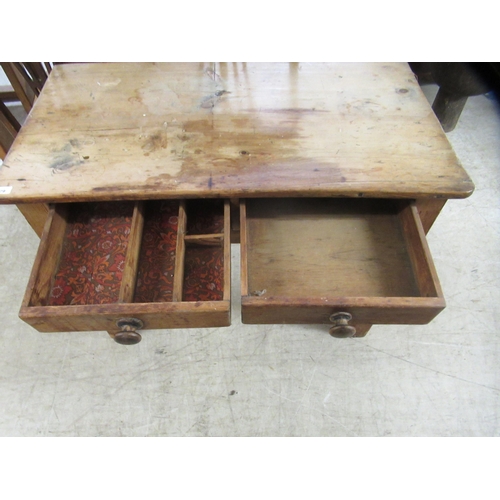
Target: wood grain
{"x": 204, "y": 239}
{"x": 155, "y": 315}
{"x": 364, "y": 310}
{"x": 243, "y": 249}
{"x": 428, "y": 211}
{"x": 174, "y": 130}
{"x": 180, "y": 254}
{"x": 104, "y": 317}
{"x": 130, "y": 268}
{"x": 419, "y": 253}
{"x": 36, "y": 215}
{"x": 327, "y": 247}
{"x": 227, "y": 251}
{"x": 47, "y": 258}
{"x": 303, "y": 260}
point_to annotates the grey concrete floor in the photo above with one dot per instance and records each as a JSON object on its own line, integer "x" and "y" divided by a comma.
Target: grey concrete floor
{"x": 441, "y": 379}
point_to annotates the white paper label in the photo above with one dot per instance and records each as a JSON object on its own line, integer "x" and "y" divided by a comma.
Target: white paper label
{"x": 5, "y": 189}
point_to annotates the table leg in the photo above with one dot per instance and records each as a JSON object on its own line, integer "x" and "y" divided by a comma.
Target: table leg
{"x": 361, "y": 330}
{"x": 35, "y": 214}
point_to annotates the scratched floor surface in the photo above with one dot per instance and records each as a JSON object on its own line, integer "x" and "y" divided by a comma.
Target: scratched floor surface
{"x": 442, "y": 379}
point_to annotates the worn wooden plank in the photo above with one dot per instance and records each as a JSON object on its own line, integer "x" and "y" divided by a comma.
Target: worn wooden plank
{"x": 35, "y": 214}
{"x": 428, "y": 210}
{"x": 180, "y": 254}
{"x": 364, "y": 310}
{"x": 47, "y": 258}
{"x": 227, "y": 251}
{"x": 420, "y": 256}
{"x": 129, "y": 275}
{"x": 104, "y": 317}
{"x": 302, "y": 260}
{"x": 243, "y": 249}
{"x": 138, "y": 131}
{"x": 204, "y": 239}
{"x": 323, "y": 248}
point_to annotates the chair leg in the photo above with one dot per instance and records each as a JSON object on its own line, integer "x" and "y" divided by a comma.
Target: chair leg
{"x": 23, "y": 91}
{"x": 9, "y": 127}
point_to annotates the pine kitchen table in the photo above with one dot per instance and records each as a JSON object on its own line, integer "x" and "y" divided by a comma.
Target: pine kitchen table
{"x": 141, "y": 175}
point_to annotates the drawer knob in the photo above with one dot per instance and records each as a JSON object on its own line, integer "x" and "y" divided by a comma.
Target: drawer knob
{"x": 128, "y": 334}
{"x": 341, "y": 328}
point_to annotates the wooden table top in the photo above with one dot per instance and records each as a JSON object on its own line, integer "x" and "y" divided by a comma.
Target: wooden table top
{"x": 142, "y": 131}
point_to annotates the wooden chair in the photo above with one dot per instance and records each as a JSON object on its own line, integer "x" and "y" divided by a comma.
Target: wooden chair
{"x": 457, "y": 82}
{"x": 9, "y": 127}
{"x": 27, "y": 80}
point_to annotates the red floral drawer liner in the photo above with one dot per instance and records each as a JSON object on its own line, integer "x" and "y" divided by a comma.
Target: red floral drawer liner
{"x": 203, "y": 273}
{"x": 96, "y": 239}
{"x": 205, "y": 216}
{"x": 155, "y": 276}
{"x": 93, "y": 254}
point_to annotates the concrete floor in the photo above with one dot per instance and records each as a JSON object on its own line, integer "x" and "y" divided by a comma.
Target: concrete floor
{"x": 441, "y": 379}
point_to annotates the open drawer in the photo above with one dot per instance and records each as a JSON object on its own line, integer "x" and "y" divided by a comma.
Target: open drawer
{"x": 349, "y": 263}
{"x": 124, "y": 266}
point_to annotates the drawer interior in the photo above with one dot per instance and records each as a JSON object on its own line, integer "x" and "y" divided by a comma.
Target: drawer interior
{"x": 92, "y": 255}
{"x": 318, "y": 247}
{"x": 314, "y": 257}
{"x": 133, "y": 252}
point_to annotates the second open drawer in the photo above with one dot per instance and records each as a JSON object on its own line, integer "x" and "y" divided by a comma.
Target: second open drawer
{"x": 124, "y": 266}
{"x": 308, "y": 260}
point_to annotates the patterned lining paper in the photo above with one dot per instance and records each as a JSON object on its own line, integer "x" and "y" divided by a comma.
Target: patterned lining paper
{"x": 205, "y": 216}
{"x": 93, "y": 254}
{"x": 204, "y": 265}
{"x": 203, "y": 273}
{"x": 155, "y": 276}
{"x": 95, "y": 246}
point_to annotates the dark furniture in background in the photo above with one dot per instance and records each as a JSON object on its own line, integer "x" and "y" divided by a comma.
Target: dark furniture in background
{"x": 457, "y": 82}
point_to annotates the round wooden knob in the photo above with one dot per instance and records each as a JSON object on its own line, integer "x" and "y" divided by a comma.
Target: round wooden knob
{"x": 341, "y": 328}
{"x": 128, "y": 334}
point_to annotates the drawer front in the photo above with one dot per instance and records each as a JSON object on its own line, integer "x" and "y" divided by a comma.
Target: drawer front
{"x": 164, "y": 264}
{"x": 106, "y": 317}
{"x": 305, "y": 260}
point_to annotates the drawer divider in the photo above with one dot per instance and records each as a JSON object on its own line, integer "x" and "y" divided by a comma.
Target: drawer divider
{"x": 129, "y": 276}
{"x": 227, "y": 250}
{"x": 243, "y": 248}
{"x": 215, "y": 239}
{"x": 180, "y": 253}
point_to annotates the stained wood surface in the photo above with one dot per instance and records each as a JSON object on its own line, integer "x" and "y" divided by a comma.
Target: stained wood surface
{"x": 131, "y": 266}
{"x": 302, "y": 260}
{"x": 327, "y": 248}
{"x": 35, "y": 214}
{"x": 180, "y": 254}
{"x": 227, "y": 251}
{"x": 103, "y": 317}
{"x": 364, "y": 310}
{"x": 47, "y": 258}
{"x": 139, "y": 131}
{"x": 418, "y": 251}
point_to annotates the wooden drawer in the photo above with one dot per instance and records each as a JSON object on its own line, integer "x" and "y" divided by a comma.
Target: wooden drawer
{"x": 304, "y": 260}
{"x": 122, "y": 266}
